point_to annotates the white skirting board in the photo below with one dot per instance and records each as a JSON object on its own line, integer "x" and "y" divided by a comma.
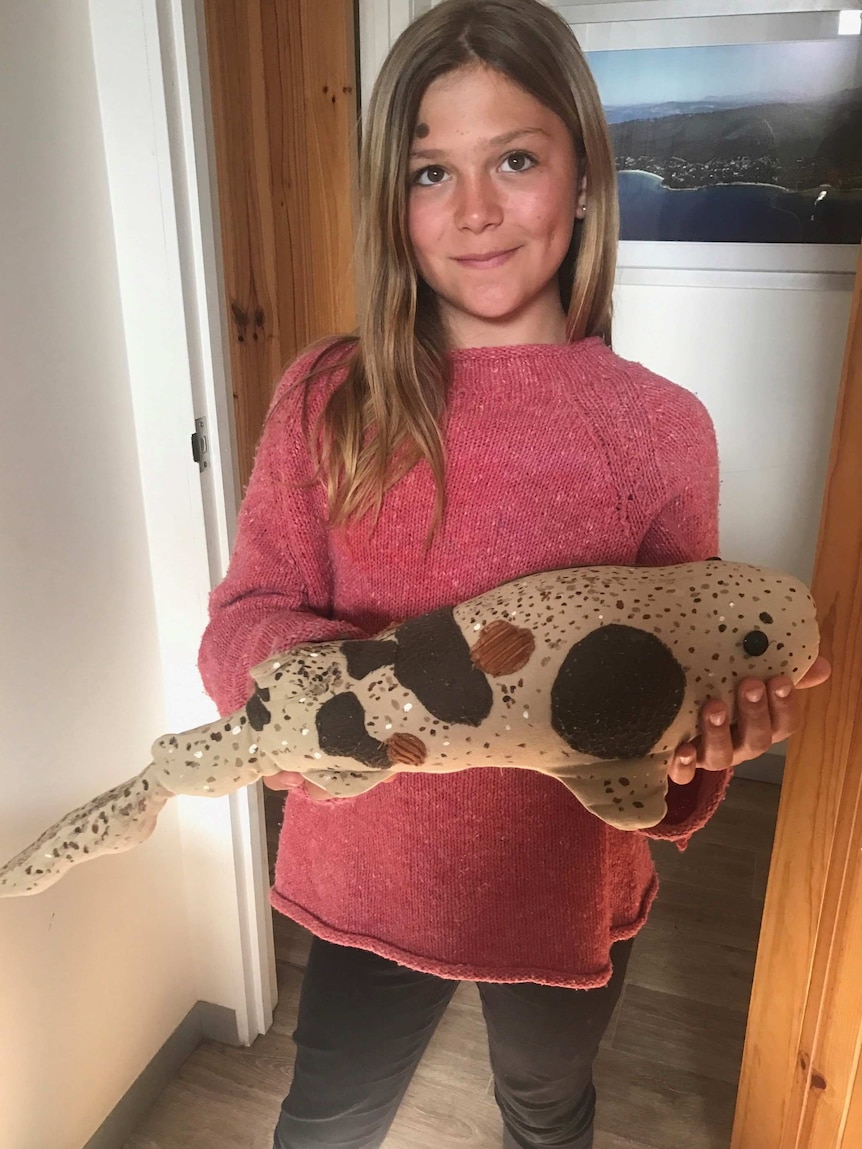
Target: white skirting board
{"x": 204, "y": 1020}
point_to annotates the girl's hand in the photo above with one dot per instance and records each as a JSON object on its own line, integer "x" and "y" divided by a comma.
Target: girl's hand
{"x": 766, "y": 713}
{"x": 288, "y": 780}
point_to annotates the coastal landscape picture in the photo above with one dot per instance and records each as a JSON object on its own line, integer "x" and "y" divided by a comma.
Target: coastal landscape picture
{"x": 737, "y": 143}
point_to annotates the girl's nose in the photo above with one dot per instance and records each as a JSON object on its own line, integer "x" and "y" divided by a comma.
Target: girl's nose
{"x": 477, "y": 204}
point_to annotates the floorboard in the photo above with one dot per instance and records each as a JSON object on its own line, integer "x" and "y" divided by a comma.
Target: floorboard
{"x": 668, "y": 1068}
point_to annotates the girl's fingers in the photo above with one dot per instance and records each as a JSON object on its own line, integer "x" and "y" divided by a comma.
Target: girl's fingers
{"x": 716, "y": 742}
{"x": 753, "y": 720}
{"x": 317, "y": 793}
{"x": 783, "y": 707}
{"x": 818, "y": 672}
{"x": 291, "y": 780}
{"x": 682, "y": 766}
{"x": 284, "y": 780}
{"x": 765, "y": 714}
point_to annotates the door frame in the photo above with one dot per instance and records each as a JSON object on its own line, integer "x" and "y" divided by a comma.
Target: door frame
{"x": 151, "y": 74}
{"x": 801, "y": 1080}
{"x": 381, "y": 22}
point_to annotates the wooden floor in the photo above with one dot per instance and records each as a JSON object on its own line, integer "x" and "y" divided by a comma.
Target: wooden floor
{"x": 668, "y": 1068}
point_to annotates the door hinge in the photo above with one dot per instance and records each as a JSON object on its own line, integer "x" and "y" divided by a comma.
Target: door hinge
{"x": 200, "y": 445}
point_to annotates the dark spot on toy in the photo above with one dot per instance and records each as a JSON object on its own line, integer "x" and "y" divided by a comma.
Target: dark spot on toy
{"x": 258, "y": 715}
{"x": 367, "y": 655}
{"x": 616, "y": 693}
{"x": 433, "y": 661}
{"x": 341, "y": 732}
{"x": 767, "y": 618}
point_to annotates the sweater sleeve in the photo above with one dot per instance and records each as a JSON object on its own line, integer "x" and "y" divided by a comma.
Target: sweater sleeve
{"x": 685, "y": 529}
{"x": 277, "y": 592}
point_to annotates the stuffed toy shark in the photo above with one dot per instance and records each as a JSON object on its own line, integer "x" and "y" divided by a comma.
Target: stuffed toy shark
{"x": 592, "y": 676}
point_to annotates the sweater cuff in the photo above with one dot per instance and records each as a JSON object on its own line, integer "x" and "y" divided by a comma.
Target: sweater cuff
{"x": 278, "y": 633}
{"x": 690, "y": 807}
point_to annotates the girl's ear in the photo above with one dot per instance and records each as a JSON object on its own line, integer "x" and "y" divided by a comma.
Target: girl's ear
{"x": 582, "y": 198}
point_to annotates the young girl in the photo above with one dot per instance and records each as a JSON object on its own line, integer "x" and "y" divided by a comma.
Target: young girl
{"x": 477, "y": 429}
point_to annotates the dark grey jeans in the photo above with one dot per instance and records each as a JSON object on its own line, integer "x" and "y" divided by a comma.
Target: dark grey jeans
{"x": 364, "y": 1023}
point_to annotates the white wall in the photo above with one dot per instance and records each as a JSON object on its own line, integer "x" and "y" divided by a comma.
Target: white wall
{"x": 767, "y": 364}
{"x": 96, "y": 972}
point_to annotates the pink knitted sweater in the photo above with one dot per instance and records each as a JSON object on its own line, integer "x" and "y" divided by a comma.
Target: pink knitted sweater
{"x": 558, "y": 456}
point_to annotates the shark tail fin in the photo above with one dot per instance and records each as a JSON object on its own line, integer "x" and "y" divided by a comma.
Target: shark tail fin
{"x": 117, "y": 820}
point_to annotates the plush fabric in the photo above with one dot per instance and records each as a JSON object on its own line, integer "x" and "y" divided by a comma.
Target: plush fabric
{"x": 591, "y": 676}
{"x": 558, "y": 456}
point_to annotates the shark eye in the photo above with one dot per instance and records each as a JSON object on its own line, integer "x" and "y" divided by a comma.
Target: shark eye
{"x": 755, "y": 643}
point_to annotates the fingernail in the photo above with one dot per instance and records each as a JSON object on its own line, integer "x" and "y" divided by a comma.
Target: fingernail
{"x": 717, "y": 719}
{"x": 754, "y": 694}
{"x": 783, "y": 691}
{"x": 686, "y": 759}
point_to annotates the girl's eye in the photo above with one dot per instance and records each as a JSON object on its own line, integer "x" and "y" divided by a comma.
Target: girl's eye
{"x": 429, "y": 177}
{"x": 520, "y": 161}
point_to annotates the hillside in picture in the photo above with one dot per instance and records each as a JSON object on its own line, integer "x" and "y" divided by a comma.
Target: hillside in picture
{"x": 768, "y": 148}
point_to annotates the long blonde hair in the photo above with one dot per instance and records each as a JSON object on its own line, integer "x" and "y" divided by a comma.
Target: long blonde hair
{"x": 387, "y": 413}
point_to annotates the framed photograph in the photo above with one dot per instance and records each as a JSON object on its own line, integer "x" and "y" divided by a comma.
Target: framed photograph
{"x": 738, "y": 136}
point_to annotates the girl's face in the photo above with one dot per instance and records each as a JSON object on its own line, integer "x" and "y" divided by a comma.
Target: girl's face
{"x": 494, "y": 194}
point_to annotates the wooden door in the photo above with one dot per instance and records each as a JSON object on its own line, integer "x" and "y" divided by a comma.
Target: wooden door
{"x": 284, "y": 107}
{"x": 801, "y": 1084}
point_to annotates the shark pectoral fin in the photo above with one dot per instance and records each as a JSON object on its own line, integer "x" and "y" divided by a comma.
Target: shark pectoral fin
{"x": 627, "y": 794}
{"x": 114, "y": 821}
{"x": 347, "y": 783}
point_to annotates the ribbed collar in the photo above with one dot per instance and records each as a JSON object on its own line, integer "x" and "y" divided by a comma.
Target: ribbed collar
{"x": 525, "y": 368}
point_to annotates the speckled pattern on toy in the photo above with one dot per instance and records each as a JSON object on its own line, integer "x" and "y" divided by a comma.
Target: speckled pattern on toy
{"x": 593, "y": 676}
